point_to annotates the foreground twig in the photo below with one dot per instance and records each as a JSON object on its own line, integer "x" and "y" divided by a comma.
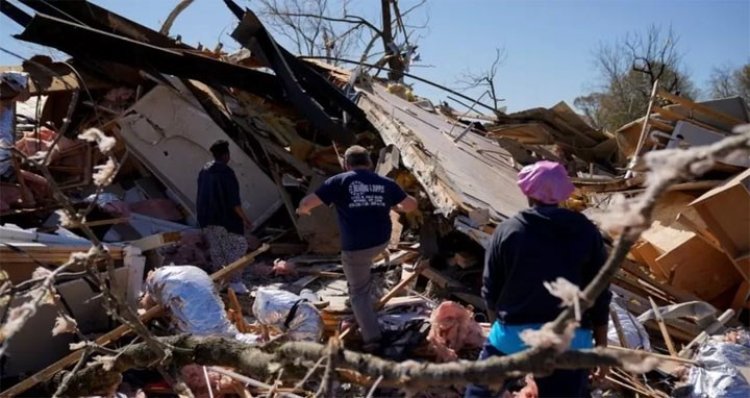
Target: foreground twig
{"x": 632, "y": 218}
{"x": 251, "y": 360}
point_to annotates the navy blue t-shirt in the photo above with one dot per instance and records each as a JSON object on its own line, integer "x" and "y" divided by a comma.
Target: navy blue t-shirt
{"x": 363, "y": 201}
{"x": 218, "y": 195}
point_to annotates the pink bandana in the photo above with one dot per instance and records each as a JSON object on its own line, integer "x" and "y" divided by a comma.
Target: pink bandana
{"x": 546, "y": 182}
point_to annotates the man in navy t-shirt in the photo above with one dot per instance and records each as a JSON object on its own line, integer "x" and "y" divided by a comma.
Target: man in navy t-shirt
{"x": 363, "y": 201}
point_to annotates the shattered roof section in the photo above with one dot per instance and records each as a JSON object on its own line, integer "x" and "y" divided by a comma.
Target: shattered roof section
{"x": 459, "y": 172}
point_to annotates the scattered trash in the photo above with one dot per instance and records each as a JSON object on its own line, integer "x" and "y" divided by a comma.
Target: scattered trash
{"x": 193, "y": 303}
{"x": 295, "y": 316}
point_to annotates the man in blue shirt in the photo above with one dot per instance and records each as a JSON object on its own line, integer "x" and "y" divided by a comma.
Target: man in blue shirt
{"x": 363, "y": 201}
{"x": 220, "y": 213}
{"x": 537, "y": 245}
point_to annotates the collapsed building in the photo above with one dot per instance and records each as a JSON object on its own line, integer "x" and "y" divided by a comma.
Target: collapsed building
{"x": 288, "y": 120}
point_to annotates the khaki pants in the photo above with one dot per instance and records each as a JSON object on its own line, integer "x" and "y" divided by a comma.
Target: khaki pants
{"x": 357, "y": 266}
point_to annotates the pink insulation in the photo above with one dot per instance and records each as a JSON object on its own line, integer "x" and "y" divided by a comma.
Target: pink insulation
{"x": 284, "y": 268}
{"x": 31, "y": 143}
{"x": 453, "y": 329}
{"x": 221, "y": 386}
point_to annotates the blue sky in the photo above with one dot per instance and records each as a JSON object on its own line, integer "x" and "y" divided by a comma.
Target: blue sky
{"x": 549, "y": 44}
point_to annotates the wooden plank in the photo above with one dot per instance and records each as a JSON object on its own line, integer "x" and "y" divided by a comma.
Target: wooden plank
{"x": 236, "y": 308}
{"x": 661, "y": 126}
{"x": 446, "y": 282}
{"x": 679, "y": 295}
{"x": 663, "y": 328}
{"x": 156, "y": 241}
{"x": 676, "y": 117}
{"x": 699, "y": 108}
{"x": 119, "y": 332}
{"x": 648, "y": 253}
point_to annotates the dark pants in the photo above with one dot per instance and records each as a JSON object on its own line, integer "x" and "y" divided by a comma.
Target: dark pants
{"x": 561, "y": 383}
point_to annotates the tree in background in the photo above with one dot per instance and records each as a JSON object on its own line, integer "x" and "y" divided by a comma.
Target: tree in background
{"x": 628, "y": 69}
{"x": 486, "y": 79}
{"x": 326, "y": 29}
{"x": 725, "y": 82}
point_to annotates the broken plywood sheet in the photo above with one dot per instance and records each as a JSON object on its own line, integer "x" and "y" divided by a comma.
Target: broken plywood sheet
{"x": 696, "y": 266}
{"x": 733, "y": 107}
{"x": 472, "y": 173}
{"x": 171, "y": 136}
{"x": 524, "y": 133}
{"x": 665, "y": 237}
{"x": 726, "y": 212}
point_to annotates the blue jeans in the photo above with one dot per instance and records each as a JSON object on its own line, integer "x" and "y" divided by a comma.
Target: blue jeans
{"x": 561, "y": 383}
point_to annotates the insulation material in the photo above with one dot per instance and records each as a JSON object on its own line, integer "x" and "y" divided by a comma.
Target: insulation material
{"x": 453, "y": 329}
{"x": 221, "y": 385}
{"x": 725, "y": 367}
{"x": 189, "y": 295}
{"x": 272, "y": 307}
{"x": 284, "y": 268}
{"x": 636, "y": 336}
{"x": 32, "y": 143}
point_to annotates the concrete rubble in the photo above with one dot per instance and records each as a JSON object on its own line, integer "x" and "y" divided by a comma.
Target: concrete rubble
{"x": 165, "y": 102}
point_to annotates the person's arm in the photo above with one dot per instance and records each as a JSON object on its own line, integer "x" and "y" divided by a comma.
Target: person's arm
{"x": 308, "y": 203}
{"x": 245, "y": 219}
{"x": 233, "y": 193}
{"x": 599, "y": 312}
{"x": 400, "y": 200}
{"x": 408, "y": 205}
{"x": 324, "y": 195}
{"x": 600, "y": 335}
{"x": 146, "y": 301}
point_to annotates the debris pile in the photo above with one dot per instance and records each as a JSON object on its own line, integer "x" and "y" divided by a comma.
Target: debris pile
{"x": 107, "y": 147}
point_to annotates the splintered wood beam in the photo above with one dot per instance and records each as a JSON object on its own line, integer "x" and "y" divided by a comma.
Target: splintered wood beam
{"x": 446, "y": 282}
{"x": 699, "y": 108}
{"x": 663, "y": 328}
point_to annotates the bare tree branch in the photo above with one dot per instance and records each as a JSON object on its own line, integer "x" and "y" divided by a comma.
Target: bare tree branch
{"x": 178, "y": 9}
{"x": 248, "y": 359}
{"x": 628, "y": 69}
{"x": 486, "y": 78}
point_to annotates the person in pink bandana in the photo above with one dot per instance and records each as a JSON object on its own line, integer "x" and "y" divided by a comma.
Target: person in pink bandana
{"x": 541, "y": 244}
